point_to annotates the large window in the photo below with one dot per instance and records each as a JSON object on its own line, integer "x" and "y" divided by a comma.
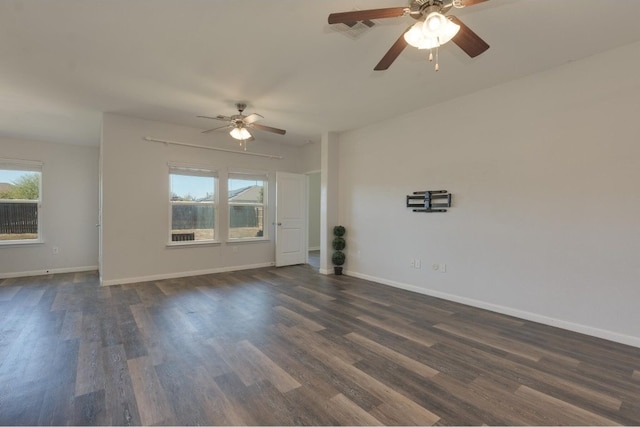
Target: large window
{"x": 193, "y": 205}
{"x": 247, "y": 206}
{"x": 20, "y": 196}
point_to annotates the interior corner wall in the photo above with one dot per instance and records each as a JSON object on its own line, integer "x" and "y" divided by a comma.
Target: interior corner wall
{"x": 329, "y": 196}
{"x": 135, "y": 191}
{"x": 69, "y": 211}
{"x": 314, "y": 211}
{"x": 544, "y": 174}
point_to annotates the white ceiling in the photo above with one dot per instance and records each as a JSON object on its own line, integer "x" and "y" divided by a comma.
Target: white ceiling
{"x": 64, "y": 62}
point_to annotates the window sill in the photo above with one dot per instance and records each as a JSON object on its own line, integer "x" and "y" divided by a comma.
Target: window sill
{"x": 243, "y": 241}
{"x": 7, "y": 243}
{"x": 192, "y": 243}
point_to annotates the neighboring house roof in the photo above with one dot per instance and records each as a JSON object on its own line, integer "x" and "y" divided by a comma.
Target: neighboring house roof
{"x": 5, "y": 186}
{"x": 246, "y": 194}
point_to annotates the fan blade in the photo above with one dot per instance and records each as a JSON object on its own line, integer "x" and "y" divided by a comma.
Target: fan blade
{"x": 252, "y": 118}
{"x": 216, "y": 118}
{"x": 218, "y": 128}
{"x": 364, "y": 15}
{"x": 267, "y": 128}
{"x": 467, "y": 3}
{"x": 467, "y": 40}
{"x": 392, "y": 53}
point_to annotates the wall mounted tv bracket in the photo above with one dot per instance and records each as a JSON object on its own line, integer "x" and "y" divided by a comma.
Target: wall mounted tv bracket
{"x": 422, "y": 201}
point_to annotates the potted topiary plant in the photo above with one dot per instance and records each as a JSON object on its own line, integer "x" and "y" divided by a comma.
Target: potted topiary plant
{"x": 338, "y": 245}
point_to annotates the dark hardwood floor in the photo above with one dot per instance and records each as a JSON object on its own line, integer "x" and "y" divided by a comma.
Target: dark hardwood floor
{"x": 289, "y": 346}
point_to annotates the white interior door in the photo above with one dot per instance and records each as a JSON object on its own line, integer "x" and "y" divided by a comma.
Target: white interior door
{"x": 291, "y": 219}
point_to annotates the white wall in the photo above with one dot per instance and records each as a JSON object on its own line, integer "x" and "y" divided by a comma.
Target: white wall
{"x": 69, "y": 209}
{"x": 310, "y": 157}
{"x": 135, "y": 187}
{"x": 544, "y": 173}
{"x": 314, "y": 211}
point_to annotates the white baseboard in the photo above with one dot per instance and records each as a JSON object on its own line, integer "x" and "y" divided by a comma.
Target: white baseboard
{"x": 315, "y": 248}
{"x": 563, "y": 324}
{"x": 325, "y": 271}
{"x": 140, "y": 279}
{"x": 47, "y": 271}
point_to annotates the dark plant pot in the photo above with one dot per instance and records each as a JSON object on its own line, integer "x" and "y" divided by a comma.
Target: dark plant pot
{"x": 337, "y": 271}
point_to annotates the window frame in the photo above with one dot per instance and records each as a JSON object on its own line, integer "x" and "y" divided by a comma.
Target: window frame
{"x": 199, "y": 171}
{"x": 252, "y": 176}
{"x": 30, "y": 166}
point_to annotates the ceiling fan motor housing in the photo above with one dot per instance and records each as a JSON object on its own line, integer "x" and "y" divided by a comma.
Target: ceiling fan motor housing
{"x": 418, "y": 9}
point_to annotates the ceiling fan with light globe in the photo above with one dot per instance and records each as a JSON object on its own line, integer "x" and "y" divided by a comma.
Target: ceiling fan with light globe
{"x": 433, "y": 29}
{"x": 240, "y": 125}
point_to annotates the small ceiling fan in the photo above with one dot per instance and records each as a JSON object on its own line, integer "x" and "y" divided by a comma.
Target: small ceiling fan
{"x": 240, "y": 125}
{"x": 432, "y": 30}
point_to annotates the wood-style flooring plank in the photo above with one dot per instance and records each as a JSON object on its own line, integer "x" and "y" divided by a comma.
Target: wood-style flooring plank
{"x": 295, "y": 319}
{"x": 560, "y": 410}
{"x": 348, "y": 413}
{"x": 392, "y": 355}
{"x": 90, "y": 409}
{"x": 8, "y": 292}
{"x": 153, "y": 405}
{"x": 89, "y": 371}
{"x": 396, "y": 408}
{"x": 421, "y": 337}
{"x": 120, "y": 400}
{"x": 185, "y": 388}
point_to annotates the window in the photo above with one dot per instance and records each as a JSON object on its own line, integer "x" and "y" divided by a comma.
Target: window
{"x": 247, "y": 206}
{"x": 193, "y": 205}
{"x": 20, "y": 196}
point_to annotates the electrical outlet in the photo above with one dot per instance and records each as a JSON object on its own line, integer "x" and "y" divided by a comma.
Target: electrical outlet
{"x": 443, "y": 268}
{"x": 55, "y": 250}
{"x": 435, "y": 267}
{"x": 412, "y": 263}
{"x": 418, "y": 263}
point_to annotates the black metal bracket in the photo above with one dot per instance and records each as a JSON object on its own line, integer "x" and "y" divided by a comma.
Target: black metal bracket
{"x": 426, "y": 198}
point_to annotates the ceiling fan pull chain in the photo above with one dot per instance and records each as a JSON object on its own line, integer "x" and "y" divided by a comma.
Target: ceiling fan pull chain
{"x": 430, "y": 55}
{"x": 437, "y": 67}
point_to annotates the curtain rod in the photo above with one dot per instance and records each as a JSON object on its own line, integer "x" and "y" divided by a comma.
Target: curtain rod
{"x": 185, "y": 144}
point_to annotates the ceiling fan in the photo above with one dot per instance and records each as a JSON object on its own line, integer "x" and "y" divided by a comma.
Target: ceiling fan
{"x": 432, "y": 29}
{"x": 240, "y": 125}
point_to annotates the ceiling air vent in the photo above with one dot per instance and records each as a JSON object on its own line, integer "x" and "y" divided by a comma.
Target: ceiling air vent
{"x": 354, "y": 29}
